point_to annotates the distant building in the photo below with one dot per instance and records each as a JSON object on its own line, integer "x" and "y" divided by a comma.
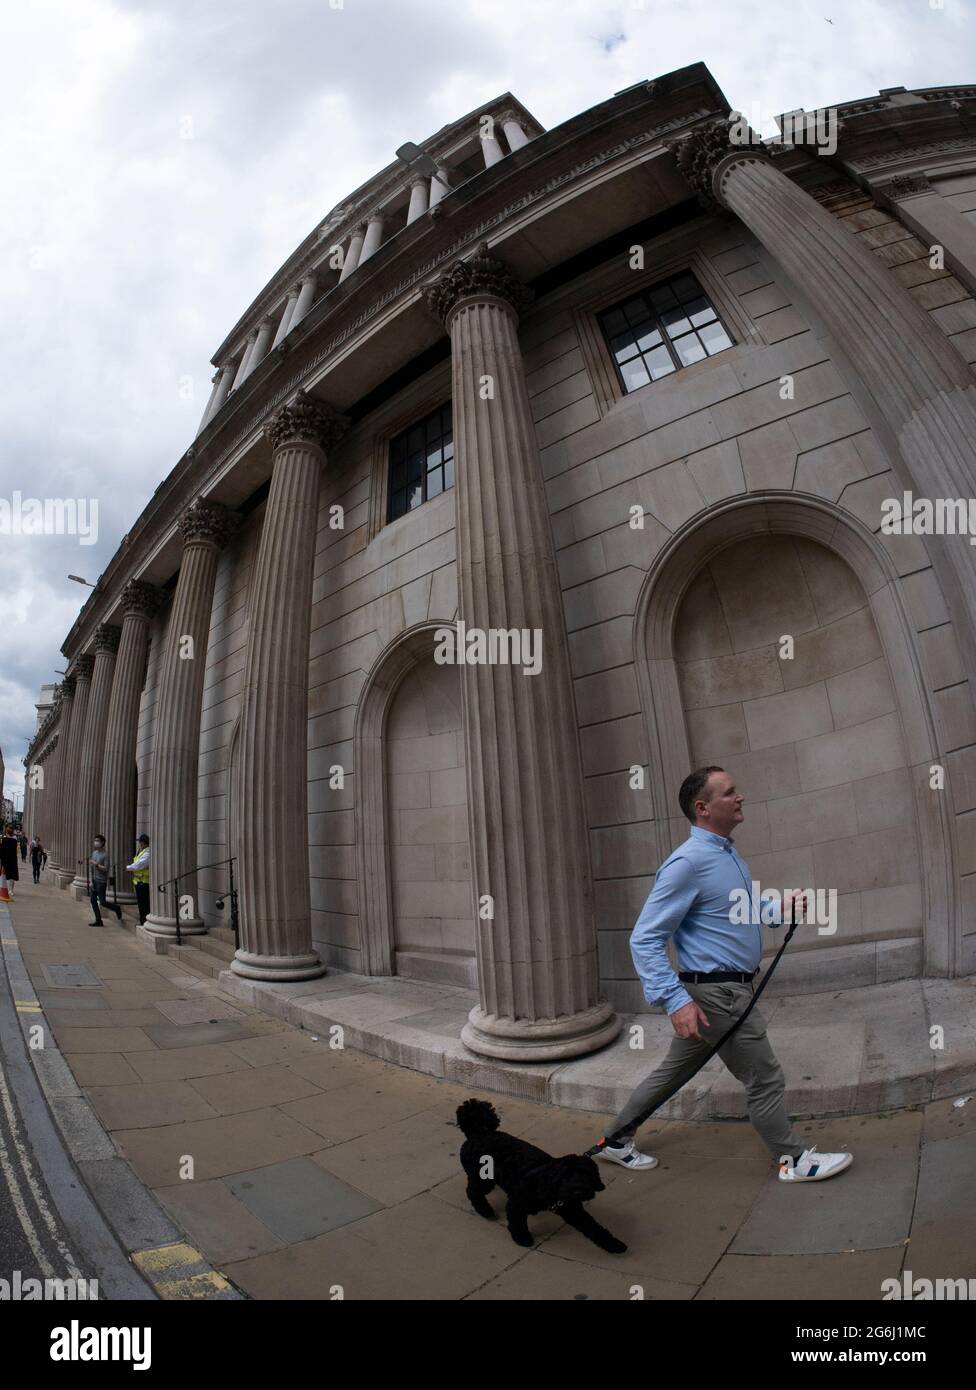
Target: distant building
{"x": 631, "y": 398}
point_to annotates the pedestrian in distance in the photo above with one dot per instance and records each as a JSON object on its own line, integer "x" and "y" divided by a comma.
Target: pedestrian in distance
{"x": 37, "y": 858}
{"x": 8, "y": 858}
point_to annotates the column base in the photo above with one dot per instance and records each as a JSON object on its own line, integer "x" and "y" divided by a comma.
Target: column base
{"x": 166, "y": 927}
{"x": 540, "y": 1040}
{"x": 61, "y": 878}
{"x": 79, "y": 889}
{"x": 283, "y": 969}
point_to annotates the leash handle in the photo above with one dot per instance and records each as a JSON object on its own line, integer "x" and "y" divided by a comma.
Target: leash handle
{"x": 645, "y": 1115}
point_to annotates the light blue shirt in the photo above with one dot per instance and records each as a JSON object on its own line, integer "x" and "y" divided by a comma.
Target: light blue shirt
{"x": 692, "y": 901}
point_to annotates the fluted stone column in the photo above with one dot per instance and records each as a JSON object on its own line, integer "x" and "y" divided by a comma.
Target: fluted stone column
{"x": 418, "y": 198}
{"x": 205, "y": 528}
{"x": 514, "y": 133}
{"x": 537, "y": 955}
{"x": 924, "y": 389}
{"x": 54, "y": 775}
{"x": 68, "y": 764}
{"x": 441, "y": 186}
{"x": 208, "y": 408}
{"x": 491, "y": 150}
{"x": 284, "y": 327}
{"x": 276, "y": 942}
{"x": 117, "y": 815}
{"x": 226, "y": 381}
{"x": 306, "y": 295}
{"x": 260, "y": 349}
{"x": 374, "y": 236}
{"x": 87, "y": 824}
{"x": 244, "y": 364}
{"x": 351, "y": 259}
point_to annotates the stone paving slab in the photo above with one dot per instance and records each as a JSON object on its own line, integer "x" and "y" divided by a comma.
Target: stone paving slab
{"x": 148, "y": 1104}
{"x": 867, "y": 1207}
{"x": 219, "y": 1223}
{"x": 229, "y": 1144}
{"x": 196, "y": 1059}
{"x": 230, "y": 1093}
{"x": 943, "y": 1241}
{"x": 538, "y": 1275}
{"x": 803, "y": 1278}
{"x": 299, "y": 1200}
{"x": 197, "y": 1034}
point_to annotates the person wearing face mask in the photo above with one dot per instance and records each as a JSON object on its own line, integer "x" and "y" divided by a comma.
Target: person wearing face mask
{"x": 98, "y": 880}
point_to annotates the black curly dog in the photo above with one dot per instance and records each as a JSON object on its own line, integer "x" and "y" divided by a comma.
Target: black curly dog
{"x": 532, "y": 1179}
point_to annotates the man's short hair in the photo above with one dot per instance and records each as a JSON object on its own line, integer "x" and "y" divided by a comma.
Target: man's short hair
{"x": 692, "y": 787}
{"x": 143, "y": 840}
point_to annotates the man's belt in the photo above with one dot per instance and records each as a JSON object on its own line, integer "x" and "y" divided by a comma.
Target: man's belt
{"x": 716, "y": 977}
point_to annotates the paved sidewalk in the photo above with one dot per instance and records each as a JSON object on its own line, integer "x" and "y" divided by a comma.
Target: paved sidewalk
{"x": 316, "y": 1169}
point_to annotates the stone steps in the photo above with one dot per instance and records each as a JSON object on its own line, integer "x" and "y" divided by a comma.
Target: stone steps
{"x": 205, "y": 955}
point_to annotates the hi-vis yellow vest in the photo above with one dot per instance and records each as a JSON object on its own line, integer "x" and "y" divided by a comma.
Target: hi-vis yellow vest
{"x": 140, "y": 875}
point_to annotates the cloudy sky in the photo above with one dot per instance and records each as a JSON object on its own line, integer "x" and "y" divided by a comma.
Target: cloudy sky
{"x": 161, "y": 158}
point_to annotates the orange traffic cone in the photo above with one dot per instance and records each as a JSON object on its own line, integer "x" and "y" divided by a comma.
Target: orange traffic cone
{"x": 4, "y": 891}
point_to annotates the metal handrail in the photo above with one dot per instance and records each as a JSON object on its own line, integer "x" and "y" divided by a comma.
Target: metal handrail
{"x": 231, "y": 893}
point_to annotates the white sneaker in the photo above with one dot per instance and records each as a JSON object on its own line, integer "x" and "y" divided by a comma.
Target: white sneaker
{"x": 812, "y": 1166}
{"x": 628, "y": 1156}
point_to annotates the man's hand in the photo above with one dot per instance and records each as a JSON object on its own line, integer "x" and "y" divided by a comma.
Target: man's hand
{"x": 687, "y": 1019}
{"x": 794, "y": 903}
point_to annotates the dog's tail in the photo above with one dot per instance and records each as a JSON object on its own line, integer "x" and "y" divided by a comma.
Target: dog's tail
{"x": 477, "y": 1117}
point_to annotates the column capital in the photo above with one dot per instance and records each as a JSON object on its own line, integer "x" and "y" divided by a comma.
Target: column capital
{"x": 481, "y": 277}
{"x": 141, "y": 599}
{"x": 107, "y": 638}
{"x": 701, "y": 158}
{"x": 306, "y": 419}
{"x": 83, "y": 666}
{"x": 67, "y": 687}
{"x": 208, "y": 523}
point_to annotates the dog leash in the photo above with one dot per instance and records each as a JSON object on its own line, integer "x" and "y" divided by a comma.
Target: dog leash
{"x": 605, "y": 1141}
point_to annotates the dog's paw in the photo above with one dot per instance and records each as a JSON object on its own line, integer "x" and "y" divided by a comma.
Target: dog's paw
{"x": 615, "y": 1247}
{"x": 525, "y": 1241}
{"x": 487, "y": 1213}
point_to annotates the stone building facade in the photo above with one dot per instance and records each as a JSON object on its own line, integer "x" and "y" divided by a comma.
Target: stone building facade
{"x": 632, "y": 388}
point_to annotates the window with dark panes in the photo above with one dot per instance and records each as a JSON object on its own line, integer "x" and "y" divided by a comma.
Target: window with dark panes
{"x": 421, "y": 462}
{"x": 662, "y": 329}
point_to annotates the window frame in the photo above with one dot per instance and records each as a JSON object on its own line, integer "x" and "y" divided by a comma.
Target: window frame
{"x": 617, "y": 281}
{"x": 665, "y": 339}
{"x": 423, "y": 424}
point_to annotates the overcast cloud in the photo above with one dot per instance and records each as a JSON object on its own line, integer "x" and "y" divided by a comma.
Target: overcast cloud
{"x": 161, "y": 158}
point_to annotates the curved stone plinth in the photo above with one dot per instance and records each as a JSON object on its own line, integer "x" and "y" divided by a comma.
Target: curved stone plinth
{"x": 166, "y": 926}
{"x": 282, "y": 969}
{"x": 541, "y": 1039}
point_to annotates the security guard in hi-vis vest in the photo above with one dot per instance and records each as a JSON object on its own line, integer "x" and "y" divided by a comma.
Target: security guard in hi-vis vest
{"x": 139, "y": 869}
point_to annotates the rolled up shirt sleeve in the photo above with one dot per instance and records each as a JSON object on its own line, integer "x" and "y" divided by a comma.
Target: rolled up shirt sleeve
{"x": 668, "y": 903}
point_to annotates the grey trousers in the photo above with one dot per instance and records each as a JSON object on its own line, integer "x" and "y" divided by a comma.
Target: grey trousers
{"x": 748, "y": 1056}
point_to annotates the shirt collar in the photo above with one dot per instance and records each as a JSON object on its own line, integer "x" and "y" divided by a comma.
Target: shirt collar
{"x": 723, "y": 841}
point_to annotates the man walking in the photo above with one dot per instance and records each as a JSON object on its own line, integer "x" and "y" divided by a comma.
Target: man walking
{"x": 98, "y": 880}
{"x": 139, "y": 869}
{"x": 692, "y": 900}
{"x": 37, "y": 856}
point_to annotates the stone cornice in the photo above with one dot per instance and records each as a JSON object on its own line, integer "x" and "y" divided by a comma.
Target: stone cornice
{"x": 208, "y": 523}
{"x": 477, "y": 278}
{"x": 306, "y": 420}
